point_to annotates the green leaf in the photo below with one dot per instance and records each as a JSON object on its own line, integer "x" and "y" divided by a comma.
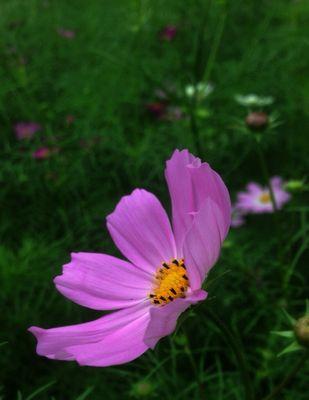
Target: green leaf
{"x": 291, "y": 348}
{"x": 285, "y": 334}
{"x": 291, "y": 320}
{"x": 84, "y": 395}
{"x": 40, "y": 390}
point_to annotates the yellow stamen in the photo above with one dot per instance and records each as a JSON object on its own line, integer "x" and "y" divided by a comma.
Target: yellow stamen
{"x": 265, "y": 198}
{"x": 171, "y": 282}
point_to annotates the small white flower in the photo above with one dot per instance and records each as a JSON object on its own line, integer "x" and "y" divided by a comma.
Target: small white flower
{"x": 201, "y": 90}
{"x": 251, "y": 100}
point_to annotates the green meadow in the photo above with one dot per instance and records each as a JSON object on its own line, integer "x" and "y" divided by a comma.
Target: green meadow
{"x": 106, "y": 82}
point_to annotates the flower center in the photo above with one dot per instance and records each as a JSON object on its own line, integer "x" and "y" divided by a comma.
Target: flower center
{"x": 171, "y": 282}
{"x": 264, "y": 198}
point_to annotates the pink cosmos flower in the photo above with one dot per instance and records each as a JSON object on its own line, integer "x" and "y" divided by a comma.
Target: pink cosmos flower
{"x": 25, "y": 130}
{"x": 173, "y": 113}
{"x": 256, "y": 199}
{"x": 162, "y": 278}
{"x": 168, "y": 33}
{"x": 156, "y": 109}
{"x": 70, "y": 119}
{"x": 66, "y": 33}
{"x": 44, "y": 152}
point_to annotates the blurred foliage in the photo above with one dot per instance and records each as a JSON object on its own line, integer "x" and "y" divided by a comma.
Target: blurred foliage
{"x": 105, "y": 76}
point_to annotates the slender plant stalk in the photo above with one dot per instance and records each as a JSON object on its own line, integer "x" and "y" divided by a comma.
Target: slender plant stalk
{"x": 288, "y": 378}
{"x": 215, "y": 47}
{"x": 235, "y": 345}
{"x": 207, "y": 71}
{"x": 266, "y": 174}
{"x": 194, "y": 128}
{"x": 195, "y": 369}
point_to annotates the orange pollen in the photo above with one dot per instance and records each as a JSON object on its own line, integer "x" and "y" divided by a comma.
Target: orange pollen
{"x": 265, "y": 198}
{"x": 171, "y": 283}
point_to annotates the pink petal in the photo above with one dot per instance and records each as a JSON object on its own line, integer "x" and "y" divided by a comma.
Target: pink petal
{"x": 276, "y": 182}
{"x": 281, "y": 197}
{"x": 190, "y": 183}
{"x": 102, "y": 282}
{"x": 163, "y": 320}
{"x": 141, "y": 230}
{"x": 203, "y": 242}
{"x": 208, "y": 184}
{"x": 112, "y": 339}
{"x": 180, "y": 188}
{"x": 254, "y": 188}
{"x": 120, "y": 347}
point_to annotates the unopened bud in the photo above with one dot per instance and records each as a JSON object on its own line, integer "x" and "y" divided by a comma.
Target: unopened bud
{"x": 301, "y": 330}
{"x": 142, "y": 389}
{"x": 294, "y": 185}
{"x": 257, "y": 121}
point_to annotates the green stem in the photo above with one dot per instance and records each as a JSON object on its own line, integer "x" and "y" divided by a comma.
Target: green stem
{"x": 266, "y": 174}
{"x": 194, "y": 127}
{"x": 195, "y": 369}
{"x": 263, "y": 164}
{"x": 204, "y": 76}
{"x": 215, "y": 47}
{"x": 235, "y": 346}
{"x": 277, "y": 390}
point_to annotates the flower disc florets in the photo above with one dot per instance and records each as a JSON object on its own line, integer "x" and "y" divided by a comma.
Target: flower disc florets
{"x": 171, "y": 282}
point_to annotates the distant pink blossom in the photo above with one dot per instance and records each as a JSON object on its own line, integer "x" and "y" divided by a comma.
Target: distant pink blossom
{"x": 168, "y": 33}
{"x": 66, "y": 33}
{"x": 238, "y": 218}
{"x": 25, "y": 130}
{"x": 173, "y": 113}
{"x": 156, "y": 109}
{"x": 161, "y": 94}
{"x": 162, "y": 111}
{"x": 44, "y": 152}
{"x": 257, "y": 199}
{"x": 70, "y": 119}
{"x": 163, "y": 277}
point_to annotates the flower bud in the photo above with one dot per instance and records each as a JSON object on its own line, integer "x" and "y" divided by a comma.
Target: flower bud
{"x": 142, "y": 389}
{"x": 156, "y": 109}
{"x": 301, "y": 330}
{"x": 257, "y": 121}
{"x": 201, "y": 90}
{"x": 168, "y": 33}
{"x": 295, "y": 185}
{"x": 253, "y": 100}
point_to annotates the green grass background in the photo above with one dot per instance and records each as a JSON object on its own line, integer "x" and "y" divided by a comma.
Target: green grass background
{"x": 104, "y": 77}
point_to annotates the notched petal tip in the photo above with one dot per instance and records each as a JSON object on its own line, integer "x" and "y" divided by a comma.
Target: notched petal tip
{"x": 36, "y": 331}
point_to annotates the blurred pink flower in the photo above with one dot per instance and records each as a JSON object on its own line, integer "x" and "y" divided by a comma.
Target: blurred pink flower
{"x": 168, "y": 33}
{"x": 44, "y": 152}
{"x": 173, "y": 113}
{"x": 156, "y": 109}
{"x": 70, "y": 119}
{"x": 237, "y": 218}
{"x": 66, "y": 33}
{"x": 162, "y": 278}
{"x": 25, "y": 130}
{"x": 256, "y": 199}
{"x": 161, "y": 94}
